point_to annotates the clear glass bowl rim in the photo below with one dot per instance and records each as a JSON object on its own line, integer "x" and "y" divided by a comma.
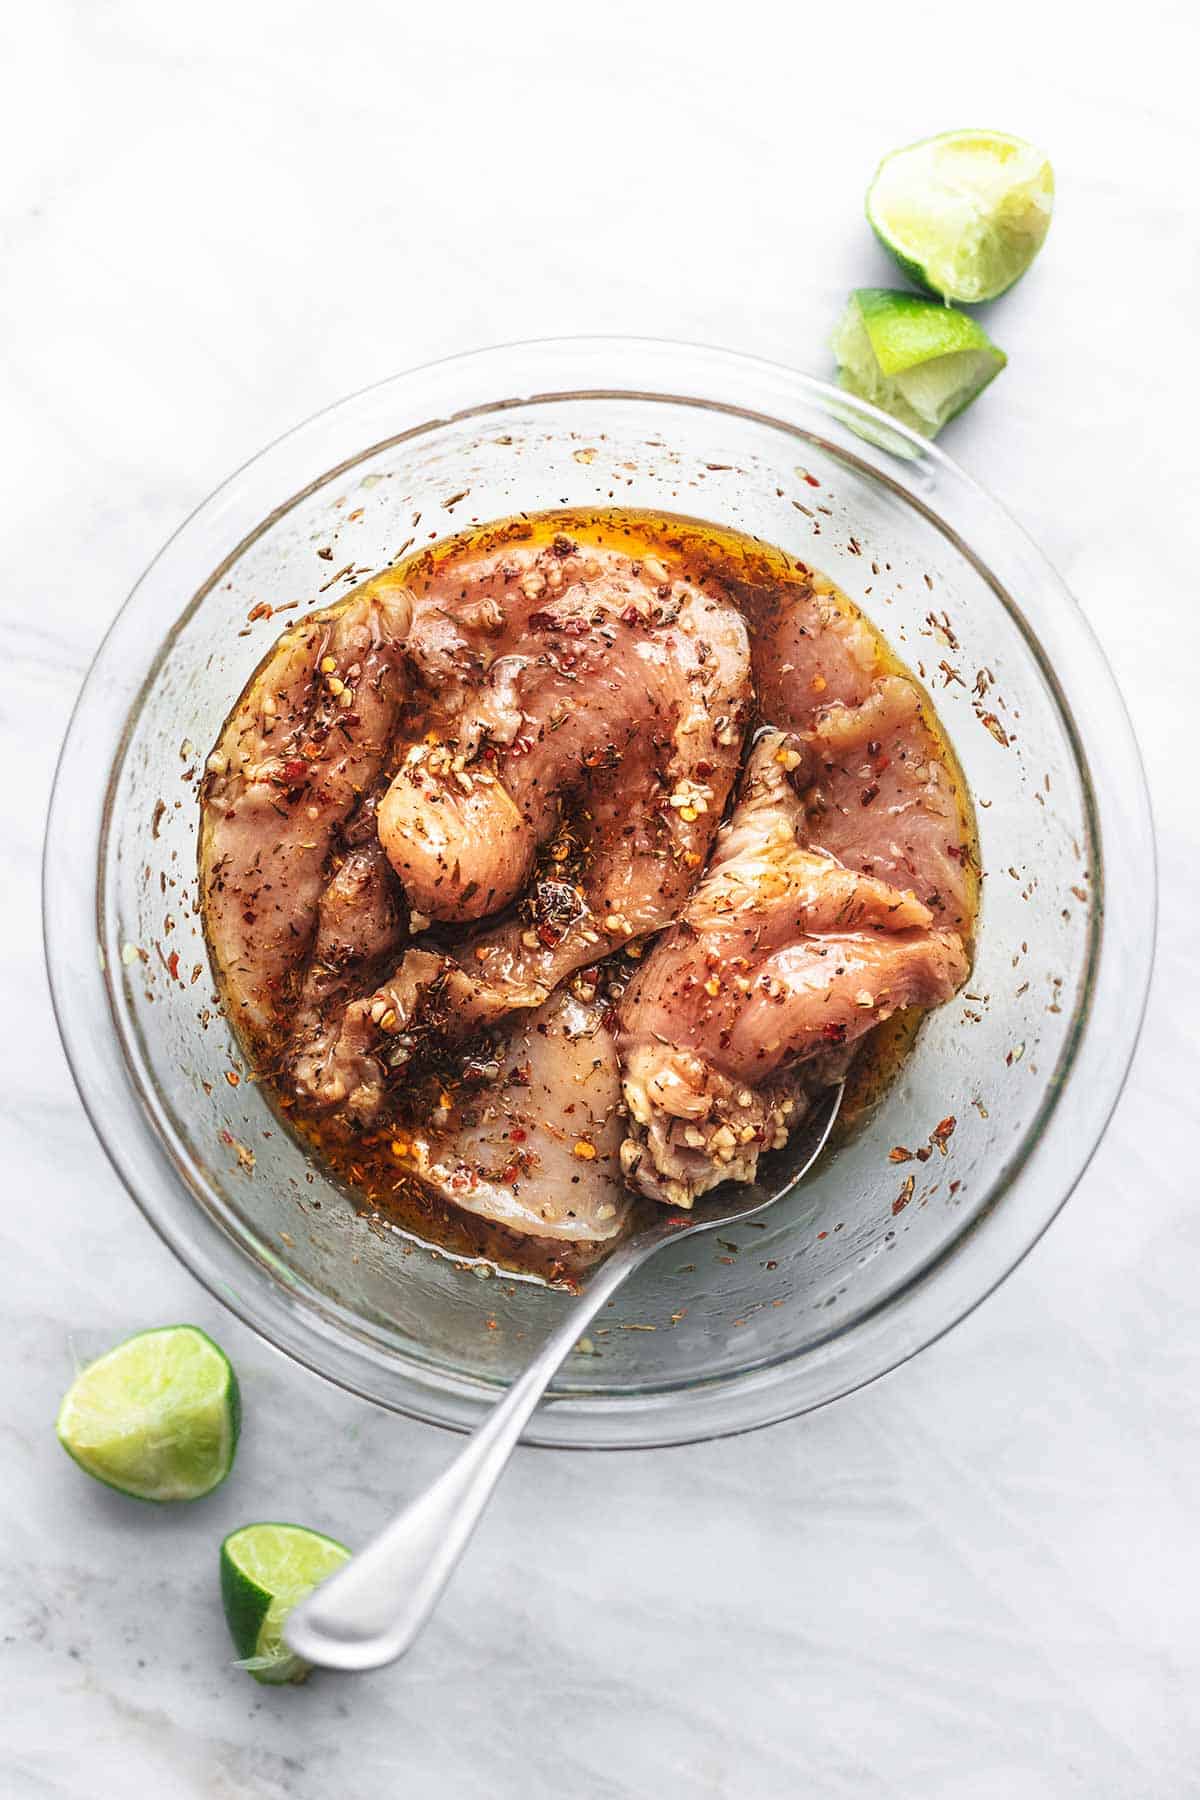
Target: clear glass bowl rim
{"x": 482, "y": 383}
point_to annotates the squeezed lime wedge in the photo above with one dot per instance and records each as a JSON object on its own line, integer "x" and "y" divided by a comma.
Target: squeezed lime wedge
{"x": 914, "y": 358}
{"x": 156, "y": 1418}
{"x": 266, "y": 1570}
{"x": 964, "y": 214}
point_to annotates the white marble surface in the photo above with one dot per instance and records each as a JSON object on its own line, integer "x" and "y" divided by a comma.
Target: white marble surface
{"x": 977, "y": 1580}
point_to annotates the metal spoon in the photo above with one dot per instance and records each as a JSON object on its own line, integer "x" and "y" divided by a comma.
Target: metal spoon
{"x": 373, "y": 1609}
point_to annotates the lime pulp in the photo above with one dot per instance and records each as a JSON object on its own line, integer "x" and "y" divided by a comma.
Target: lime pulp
{"x": 964, "y": 214}
{"x": 266, "y": 1570}
{"x": 157, "y": 1417}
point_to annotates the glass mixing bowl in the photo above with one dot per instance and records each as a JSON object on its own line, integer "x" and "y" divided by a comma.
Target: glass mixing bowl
{"x": 868, "y": 1260}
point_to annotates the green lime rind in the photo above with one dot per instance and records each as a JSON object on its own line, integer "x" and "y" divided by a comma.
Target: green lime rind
{"x": 266, "y": 1570}
{"x": 157, "y": 1417}
{"x": 963, "y": 214}
{"x": 906, "y": 330}
{"x": 914, "y": 358}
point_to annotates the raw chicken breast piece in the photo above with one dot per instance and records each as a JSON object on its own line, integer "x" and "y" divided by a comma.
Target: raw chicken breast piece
{"x": 780, "y": 961}
{"x": 304, "y": 743}
{"x": 882, "y": 801}
{"x": 620, "y": 702}
{"x": 360, "y": 924}
{"x": 537, "y": 1150}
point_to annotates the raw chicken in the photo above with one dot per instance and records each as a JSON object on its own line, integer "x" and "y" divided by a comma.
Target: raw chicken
{"x": 613, "y": 700}
{"x": 884, "y": 797}
{"x": 811, "y": 649}
{"x": 883, "y": 801}
{"x": 781, "y": 959}
{"x": 359, "y": 925}
{"x": 537, "y": 1150}
{"x": 308, "y": 737}
{"x": 615, "y": 725}
{"x": 495, "y": 767}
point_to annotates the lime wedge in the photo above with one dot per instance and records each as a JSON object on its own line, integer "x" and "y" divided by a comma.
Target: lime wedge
{"x": 265, "y": 1571}
{"x": 964, "y": 214}
{"x": 915, "y": 358}
{"x": 157, "y": 1417}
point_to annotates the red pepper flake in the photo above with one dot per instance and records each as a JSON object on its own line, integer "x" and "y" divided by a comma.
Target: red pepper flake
{"x": 173, "y": 965}
{"x": 904, "y": 1196}
{"x": 261, "y": 611}
{"x": 234, "y": 1080}
{"x": 517, "y": 1135}
{"x": 943, "y": 1132}
{"x": 993, "y": 725}
{"x": 811, "y": 479}
{"x": 834, "y": 1033}
{"x": 294, "y": 770}
{"x": 899, "y": 1154}
{"x": 822, "y": 1234}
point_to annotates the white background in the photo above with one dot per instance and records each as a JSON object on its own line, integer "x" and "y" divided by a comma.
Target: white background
{"x": 979, "y": 1580}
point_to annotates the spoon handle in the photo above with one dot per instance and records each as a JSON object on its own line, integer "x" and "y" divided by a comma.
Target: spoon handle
{"x": 372, "y": 1610}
